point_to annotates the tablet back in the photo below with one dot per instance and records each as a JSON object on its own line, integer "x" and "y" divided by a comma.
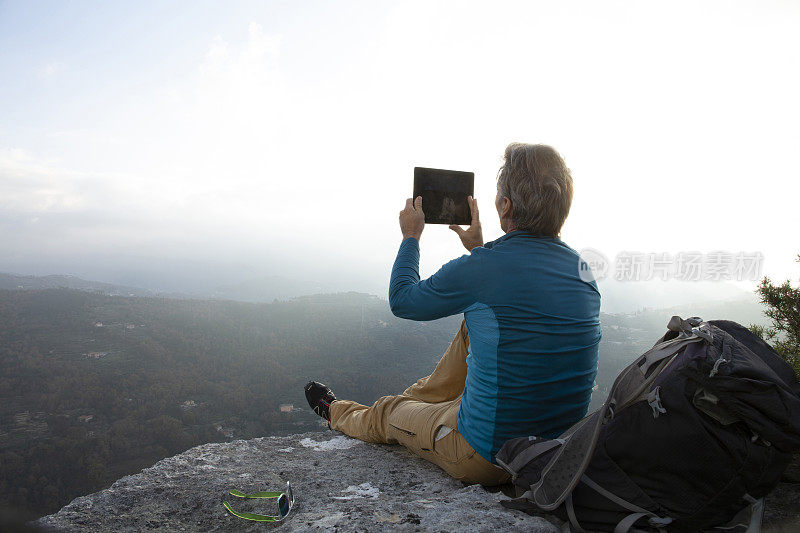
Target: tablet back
{"x": 444, "y": 195}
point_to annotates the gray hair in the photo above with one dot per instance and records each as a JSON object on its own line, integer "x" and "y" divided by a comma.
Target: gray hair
{"x": 539, "y": 184}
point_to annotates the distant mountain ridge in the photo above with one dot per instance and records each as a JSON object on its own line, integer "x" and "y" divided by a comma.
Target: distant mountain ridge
{"x": 267, "y": 289}
{"x": 630, "y": 296}
{"x": 259, "y": 290}
{"x": 66, "y": 281}
{"x": 617, "y": 296}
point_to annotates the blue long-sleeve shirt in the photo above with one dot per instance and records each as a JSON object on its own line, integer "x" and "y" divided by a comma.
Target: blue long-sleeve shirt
{"x": 534, "y": 331}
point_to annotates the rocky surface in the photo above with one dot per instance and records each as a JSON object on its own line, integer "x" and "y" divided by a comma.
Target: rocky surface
{"x": 340, "y": 484}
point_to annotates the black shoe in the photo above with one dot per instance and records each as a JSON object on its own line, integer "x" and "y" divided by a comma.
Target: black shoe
{"x": 320, "y": 399}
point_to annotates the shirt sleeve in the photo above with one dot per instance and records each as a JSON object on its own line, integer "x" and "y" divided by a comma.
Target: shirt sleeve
{"x": 451, "y": 290}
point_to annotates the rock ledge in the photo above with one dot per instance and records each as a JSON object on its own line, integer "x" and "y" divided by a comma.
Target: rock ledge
{"x": 339, "y": 482}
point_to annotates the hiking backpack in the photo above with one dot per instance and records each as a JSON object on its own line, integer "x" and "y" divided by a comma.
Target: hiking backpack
{"x": 693, "y": 435}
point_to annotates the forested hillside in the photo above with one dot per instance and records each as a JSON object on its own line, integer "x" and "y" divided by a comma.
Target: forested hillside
{"x": 94, "y": 387}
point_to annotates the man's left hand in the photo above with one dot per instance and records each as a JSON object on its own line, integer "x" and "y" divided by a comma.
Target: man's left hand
{"x": 412, "y": 219}
{"x": 472, "y": 237}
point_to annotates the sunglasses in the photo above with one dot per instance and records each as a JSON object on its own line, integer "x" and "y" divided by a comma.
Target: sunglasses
{"x": 285, "y": 501}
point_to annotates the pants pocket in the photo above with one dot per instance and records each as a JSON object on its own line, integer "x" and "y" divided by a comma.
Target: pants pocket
{"x": 408, "y": 424}
{"x": 414, "y": 424}
{"x": 453, "y": 447}
{"x": 404, "y": 431}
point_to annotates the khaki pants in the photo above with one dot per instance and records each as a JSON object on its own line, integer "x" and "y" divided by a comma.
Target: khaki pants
{"x": 414, "y": 418}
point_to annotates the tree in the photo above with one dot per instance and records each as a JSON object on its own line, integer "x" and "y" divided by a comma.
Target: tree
{"x": 783, "y": 308}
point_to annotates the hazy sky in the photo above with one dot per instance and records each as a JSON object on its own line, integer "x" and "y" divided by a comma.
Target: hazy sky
{"x": 280, "y": 137}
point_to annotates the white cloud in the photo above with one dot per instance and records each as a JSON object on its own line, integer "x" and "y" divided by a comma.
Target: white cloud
{"x": 50, "y": 69}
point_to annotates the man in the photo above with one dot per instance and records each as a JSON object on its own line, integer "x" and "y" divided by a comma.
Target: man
{"x": 525, "y": 358}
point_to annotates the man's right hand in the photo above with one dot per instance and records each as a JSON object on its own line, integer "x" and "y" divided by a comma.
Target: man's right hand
{"x": 472, "y": 237}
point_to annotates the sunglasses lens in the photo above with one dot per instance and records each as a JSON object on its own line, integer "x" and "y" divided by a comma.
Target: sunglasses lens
{"x": 283, "y": 505}
{"x": 289, "y": 493}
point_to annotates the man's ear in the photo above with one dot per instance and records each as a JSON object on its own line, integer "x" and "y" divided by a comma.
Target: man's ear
{"x": 506, "y": 208}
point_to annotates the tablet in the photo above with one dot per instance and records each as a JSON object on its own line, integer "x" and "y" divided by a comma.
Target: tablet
{"x": 444, "y": 195}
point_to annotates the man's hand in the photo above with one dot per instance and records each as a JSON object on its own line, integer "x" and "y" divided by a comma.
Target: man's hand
{"x": 412, "y": 219}
{"x": 472, "y": 237}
